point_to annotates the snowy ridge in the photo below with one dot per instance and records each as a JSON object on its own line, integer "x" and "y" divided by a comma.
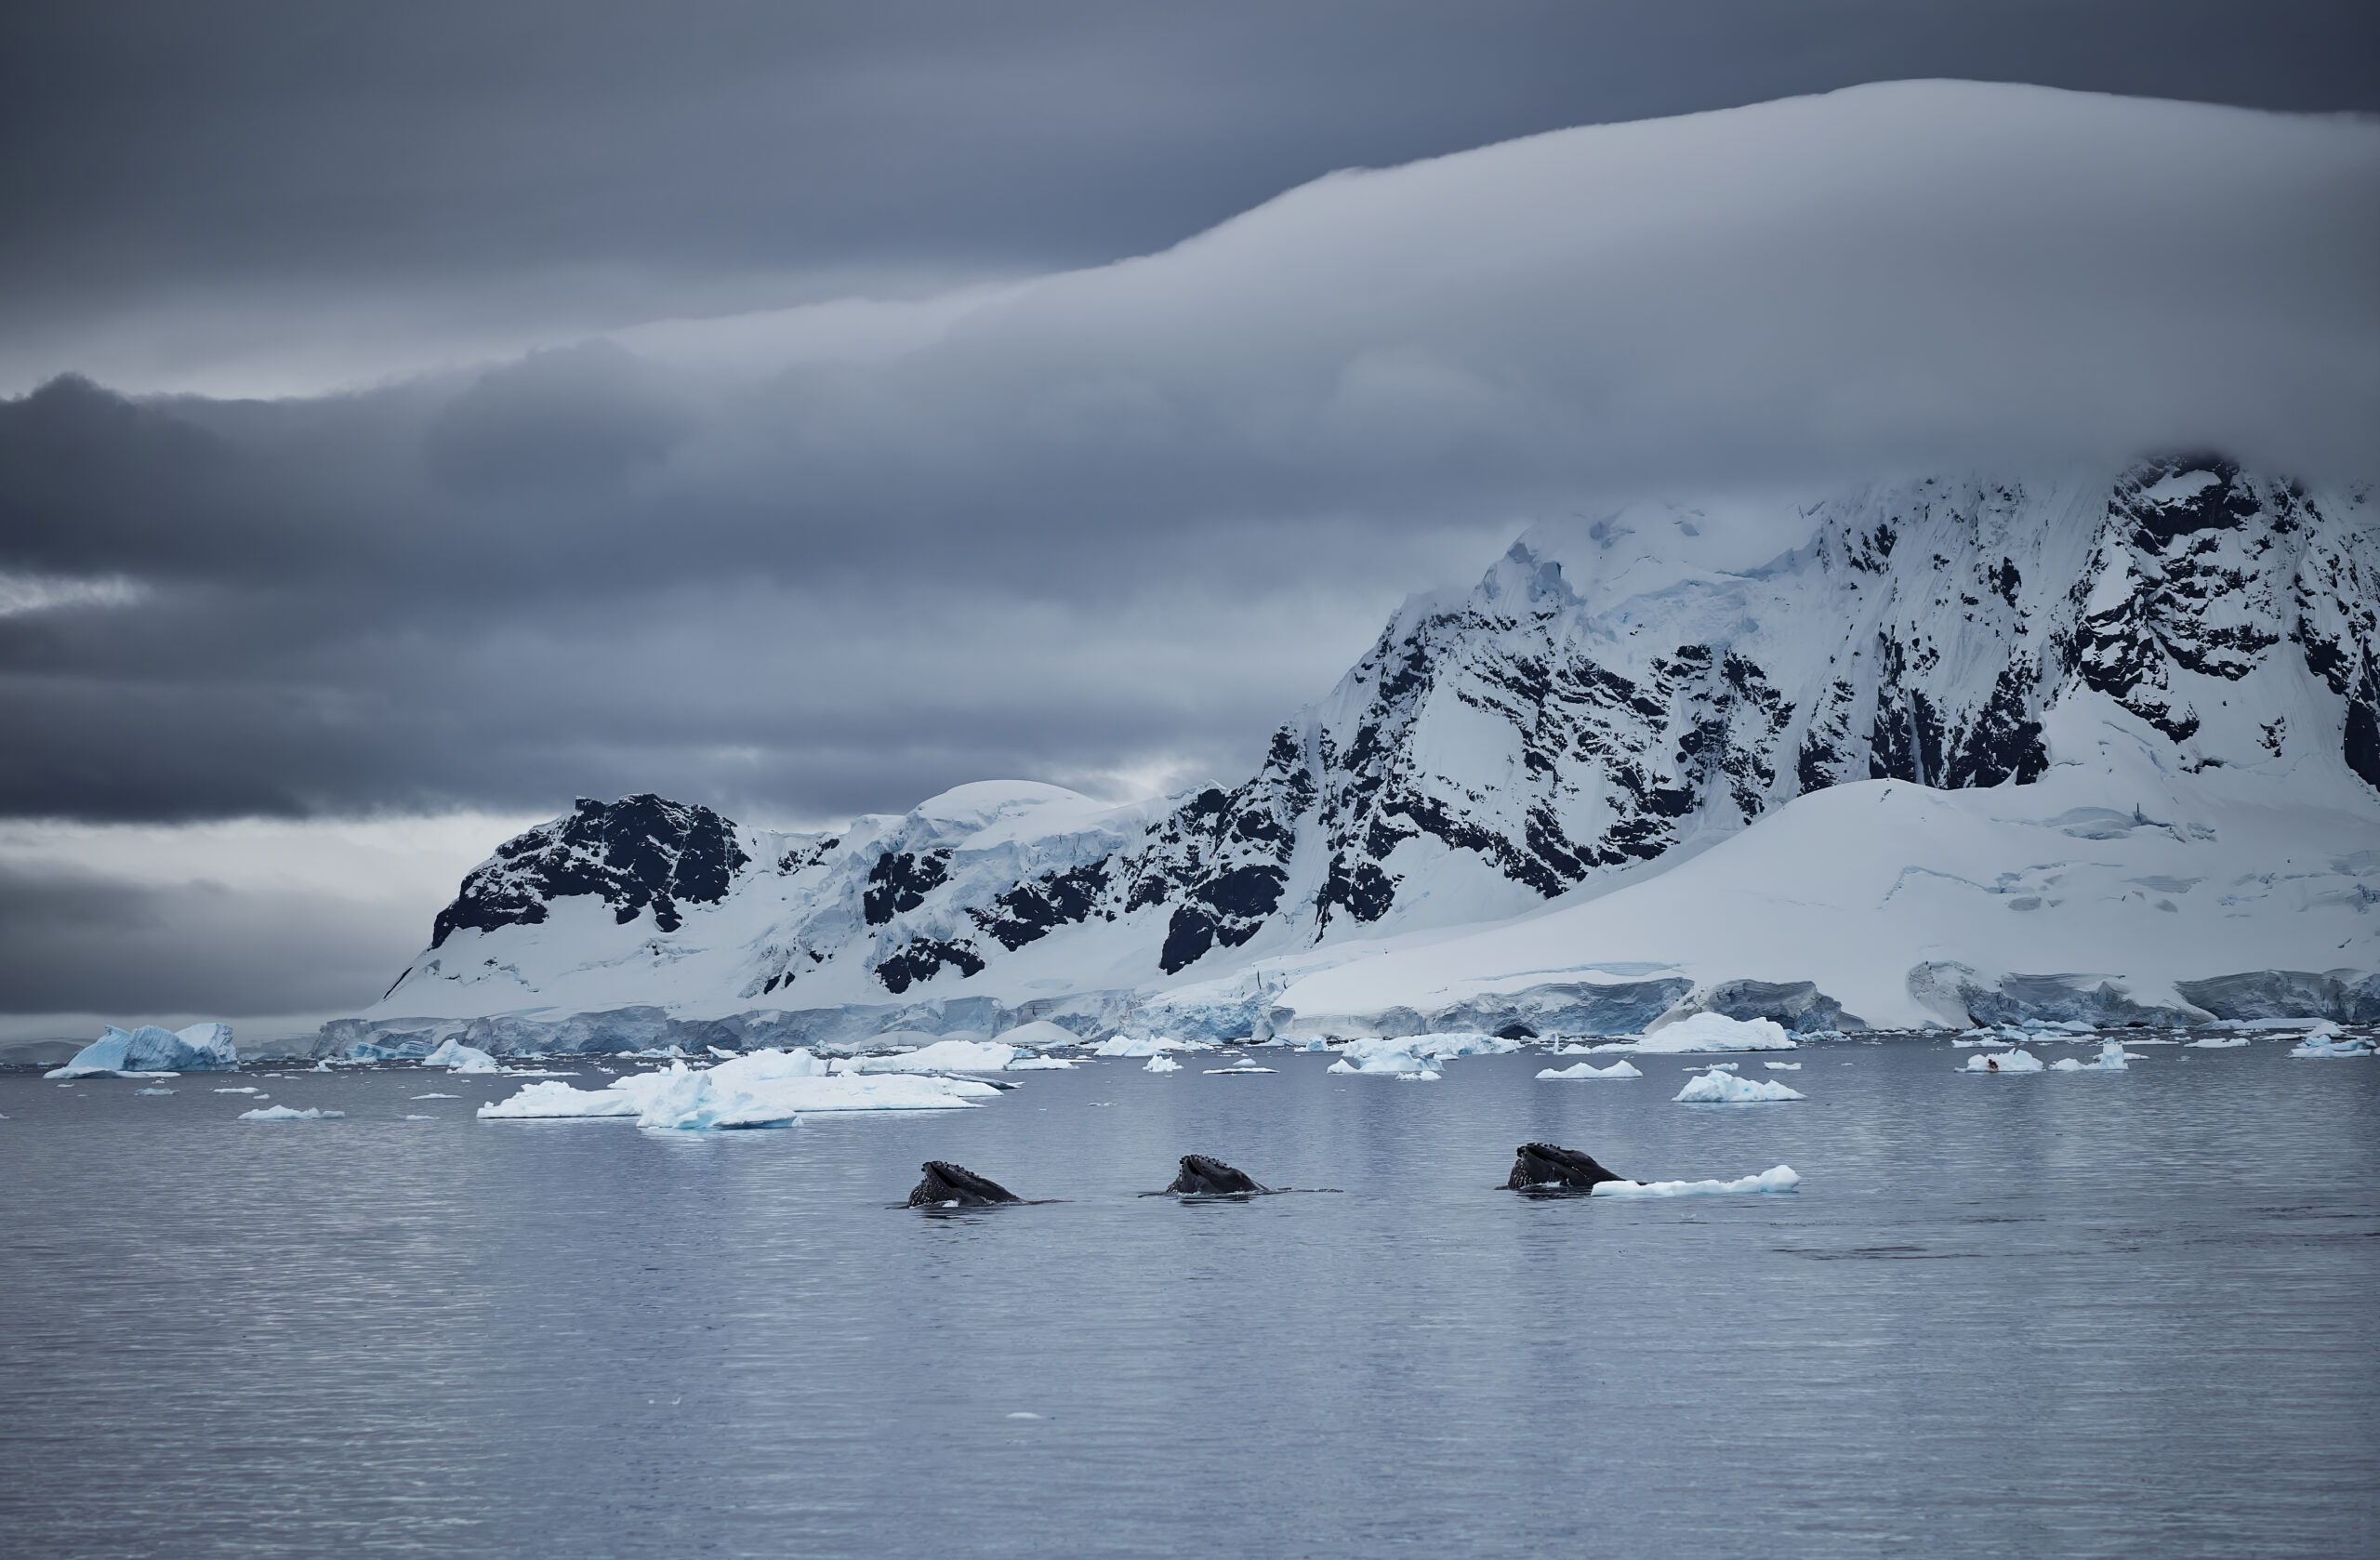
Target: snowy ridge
{"x": 2087, "y": 701}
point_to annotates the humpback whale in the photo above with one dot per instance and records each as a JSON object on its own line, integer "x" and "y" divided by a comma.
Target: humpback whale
{"x": 1542, "y": 1166}
{"x": 946, "y": 1184}
{"x": 1212, "y": 1178}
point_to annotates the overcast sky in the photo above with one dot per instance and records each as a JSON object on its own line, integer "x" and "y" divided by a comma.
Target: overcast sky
{"x": 800, "y": 409}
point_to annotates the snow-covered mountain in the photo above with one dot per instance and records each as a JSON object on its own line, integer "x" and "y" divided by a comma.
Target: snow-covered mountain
{"x": 1505, "y": 795}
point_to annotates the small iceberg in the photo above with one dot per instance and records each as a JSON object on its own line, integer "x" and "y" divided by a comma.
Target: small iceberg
{"x": 153, "y": 1090}
{"x": 147, "y": 1050}
{"x": 1136, "y": 1045}
{"x": 1415, "y": 1058}
{"x": 1782, "y": 1066}
{"x": 943, "y": 1056}
{"x": 455, "y": 1056}
{"x": 2220, "y": 1042}
{"x": 1162, "y": 1064}
{"x": 2017, "y": 1061}
{"x": 2328, "y": 1039}
{"x": 1586, "y": 1070}
{"x": 1780, "y": 1179}
{"x": 757, "y": 1089}
{"x": 2112, "y": 1059}
{"x": 1238, "y": 1067}
{"x": 1726, "y": 1089}
{"x": 1040, "y": 1035}
{"x": 1712, "y": 1032}
{"x": 282, "y": 1113}
{"x": 1038, "y": 1065}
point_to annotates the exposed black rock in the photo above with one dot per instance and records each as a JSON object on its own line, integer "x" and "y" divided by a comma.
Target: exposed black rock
{"x": 638, "y": 851}
{"x": 1543, "y": 1164}
{"x": 1203, "y": 1177}
{"x": 946, "y": 1184}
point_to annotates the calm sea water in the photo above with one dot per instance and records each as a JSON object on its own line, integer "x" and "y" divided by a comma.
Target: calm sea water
{"x": 2043, "y": 1316}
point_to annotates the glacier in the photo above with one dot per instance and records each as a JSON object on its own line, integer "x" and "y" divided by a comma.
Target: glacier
{"x": 2078, "y": 749}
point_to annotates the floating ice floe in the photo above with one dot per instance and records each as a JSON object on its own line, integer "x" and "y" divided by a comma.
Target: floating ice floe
{"x": 282, "y": 1113}
{"x": 1040, "y": 1035}
{"x": 1586, "y": 1070}
{"x": 2017, "y": 1061}
{"x": 2331, "y": 1041}
{"x": 245, "y": 1088}
{"x": 1137, "y": 1045}
{"x": 153, "y": 1090}
{"x": 1038, "y": 1065}
{"x": 425, "y": 1096}
{"x": 943, "y": 1056}
{"x": 757, "y": 1088}
{"x": 1238, "y": 1067}
{"x": 1726, "y": 1089}
{"x": 149, "y": 1051}
{"x": 1712, "y": 1031}
{"x": 2112, "y": 1059}
{"x": 1782, "y": 1066}
{"x": 1780, "y": 1179}
{"x": 2221, "y": 1042}
{"x": 455, "y": 1056}
{"x": 1162, "y": 1064}
{"x": 1415, "y": 1058}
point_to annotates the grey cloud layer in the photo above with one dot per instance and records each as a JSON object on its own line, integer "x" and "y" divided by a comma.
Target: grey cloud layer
{"x": 1118, "y": 521}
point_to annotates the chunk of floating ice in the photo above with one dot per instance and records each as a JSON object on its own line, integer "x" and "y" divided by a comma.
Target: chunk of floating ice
{"x": 1220, "y": 1072}
{"x": 943, "y": 1056}
{"x": 757, "y": 1089}
{"x": 1136, "y": 1045}
{"x": 437, "y": 1096}
{"x": 456, "y": 1057}
{"x": 153, "y": 1090}
{"x": 1713, "y": 1031}
{"x": 1025, "y": 1415}
{"x": 1162, "y": 1064}
{"x": 418, "y": 1118}
{"x": 149, "y": 1051}
{"x": 1782, "y": 1066}
{"x": 282, "y": 1113}
{"x": 1587, "y": 1070}
{"x": 1780, "y": 1179}
{"x": 2111, "y": 1060}
{"x": 248, "y": 1088}
{"x": 1726, "y": 1089}
{"x": 1427, "y": 1074}
{"x": 2017, "y": 1061}
{"x": 2220, "y": 1042}
{"x": 1415, "y": 1057}
{"x": 1040, "y": 1035}
{"x": 2333, "y": 1043}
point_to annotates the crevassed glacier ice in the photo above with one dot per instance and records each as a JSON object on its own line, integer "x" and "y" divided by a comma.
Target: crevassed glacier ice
{"x": 1779, "y": 1179}
{"x": 202, "y": 1048}
{"x": 1726, "y": 1089}
{"x": 1586, "y": 1070}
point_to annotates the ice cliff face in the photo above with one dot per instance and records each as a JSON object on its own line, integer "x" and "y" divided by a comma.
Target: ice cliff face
{"x": 1604, "y": 700}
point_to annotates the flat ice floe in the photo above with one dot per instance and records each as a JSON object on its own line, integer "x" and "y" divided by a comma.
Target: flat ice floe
{"x": 1726, "y": 1089}
{"x": 1782, "y": 1066}
{"x": 1712, "y": 1031}
{"x": 1779, "y": 1179}
{"x": 1415, "y": 1058}
{"x": 2221, "y": 1042}
{"x": 282, "y": 1113}
{"x": 943, "y": 1056}
{"x": 757, "y": 1089}
{"x": 2017, "y": 1061}
{"x": 2112, "y": 1059}
{"x": 1586, "y": 1070}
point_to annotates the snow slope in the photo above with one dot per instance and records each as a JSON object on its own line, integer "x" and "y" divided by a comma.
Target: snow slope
{"x": 1926, "y": 751}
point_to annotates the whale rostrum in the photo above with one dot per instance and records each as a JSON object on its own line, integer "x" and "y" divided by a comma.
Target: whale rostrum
{"x": 948, "y": 1184}
{"x": 1542, "y": 1165}
{"x": 1203, "y": 1177}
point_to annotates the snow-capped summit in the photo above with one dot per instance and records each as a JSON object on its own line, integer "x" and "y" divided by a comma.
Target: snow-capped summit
{"x": 1609, "y": 701}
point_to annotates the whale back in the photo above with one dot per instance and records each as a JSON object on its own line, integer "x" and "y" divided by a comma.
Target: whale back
{"x": 945, "y": 1182}
{"x": 1545, "y": 1164}
{"x": 1205, "y": 1177}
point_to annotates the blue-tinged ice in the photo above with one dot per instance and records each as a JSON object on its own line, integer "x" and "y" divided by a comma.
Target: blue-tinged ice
{"x": 202, "y": 1048}
{"x": 1726, "y": 1089}
{"x": 1779, "y": 1179}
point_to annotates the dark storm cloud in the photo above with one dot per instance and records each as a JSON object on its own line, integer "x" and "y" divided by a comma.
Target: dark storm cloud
{"x": 225, "y": 193}
{"x": 1116, "y": 522}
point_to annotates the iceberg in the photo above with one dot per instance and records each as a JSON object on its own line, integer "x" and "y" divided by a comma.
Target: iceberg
{"x": 2112, "y": 1059}
{"x": 2327, "y": 1039}
{"x": 943, "y": 1056}
{"x": 456, "y": 1057}
{"x": 153, "y": 1090}
{"x": 282, "y": 1113}
{"x": 1726, "y": 1089}
{"x": 1162, "y": 1064}
{"x": 757, "y": 1088}
{"x": 1040, "y": 1035}
{"x": 1038, "y": 1065}
{"x": 2220, "y": 1042}
{"x": 1414, "y": 1057}
{"x": 1712, "y": 1032}
{"x": 1587, "y": 1070}
{"x": 202, "y": 1048}
{"x": 1780, "y": 1179}
{"x": 2017, "y": 1061}
{"x": 1136, "y": 1045}
{"x": 1782, "y": 1066}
